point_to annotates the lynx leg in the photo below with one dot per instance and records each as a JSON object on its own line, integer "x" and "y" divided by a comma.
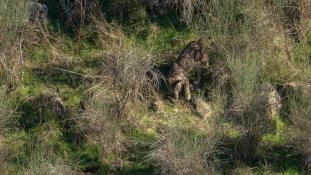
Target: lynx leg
{"x": 187, "y": 90}
{"x": 198, "y": 79}
{"x": 177, "y": 89}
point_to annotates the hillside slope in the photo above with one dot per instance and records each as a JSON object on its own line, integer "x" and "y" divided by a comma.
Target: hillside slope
{"x": 83, "y": 87}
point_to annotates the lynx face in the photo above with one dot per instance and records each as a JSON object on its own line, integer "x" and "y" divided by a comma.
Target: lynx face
{"x": 38, "y": 12}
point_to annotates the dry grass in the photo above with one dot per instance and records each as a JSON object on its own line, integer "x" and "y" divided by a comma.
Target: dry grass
{"x": 41, "y": 164}
{"x": 187, "y": 150}
{"x": 8, "y": 121}
{"x": 126, "y": 69}
{"x": 7, "y": 113}
{"x": 305, "y": 18}
{"x": 99, "y": 124}
{"x": 257, "y": 49}
{"x": 126, "y": 81}
{"x": 187, "y": 144}
{"x": 18, "y": 35}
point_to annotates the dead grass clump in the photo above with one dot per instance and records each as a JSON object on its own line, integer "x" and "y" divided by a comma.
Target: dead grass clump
{"x": 305, "y": 18}
{"x": 12, "y": 16}
{"x": 253, "y": 121}
{"x": 126, "y": 81}
{"x": 187, "y": 150}
{"x": 42, "y": 164}
{"x": 99, "y": 124}
{"x": 127, "y": 70}
{"x": 249, "y": 105}
{"x": 16, "y": 37}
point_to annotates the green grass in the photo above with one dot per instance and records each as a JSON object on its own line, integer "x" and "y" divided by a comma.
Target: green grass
{"x": 62, "y": 67}
{"x": 280, "y": 136}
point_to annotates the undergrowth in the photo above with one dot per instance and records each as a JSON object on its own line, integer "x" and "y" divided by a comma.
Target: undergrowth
{"x": 75, "y": 92}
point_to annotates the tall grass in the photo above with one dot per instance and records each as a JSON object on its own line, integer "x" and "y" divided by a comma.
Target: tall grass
{"x": 40, "y": 163}
{"x": 8, "y": 123}
{"x": 126, "y": 82}
{"x": 185, "y": 150}
{"x": 127, "y": 69}
{"x": 251, "y": 39}
{"x": 13, "y": 19}
{"x": 187, "y": 145}
{"x": 301, "y": 109}
{"x": 7, "y": 113}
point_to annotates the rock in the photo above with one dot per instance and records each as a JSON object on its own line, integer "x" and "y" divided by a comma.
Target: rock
{"x": 201, "y": 107}
{"x": 38, "y": 12}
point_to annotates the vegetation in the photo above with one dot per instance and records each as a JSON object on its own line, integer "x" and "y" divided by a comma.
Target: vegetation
{"x": 78, "y": 91}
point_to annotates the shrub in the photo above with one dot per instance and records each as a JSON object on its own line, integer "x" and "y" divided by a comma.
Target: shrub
{"x": 127, "y": 70}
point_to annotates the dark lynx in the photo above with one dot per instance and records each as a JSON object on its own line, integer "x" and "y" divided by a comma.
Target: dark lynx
{"x": 38, "y": 12}
{"x": 191, "y": 57}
